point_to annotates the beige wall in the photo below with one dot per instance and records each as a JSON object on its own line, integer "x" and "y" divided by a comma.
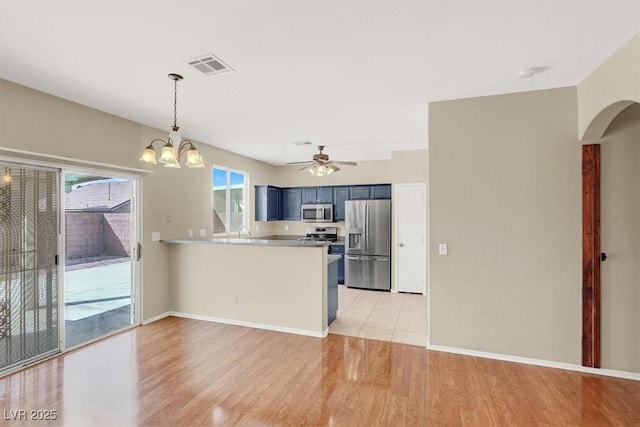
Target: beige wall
{"x": 505, "y": 195}
{"x": 38, "y": 122}
{"x": 282, "y": 287}
{"x": 620, "y": 239}
{"x": 608, "y": 90}
{"x": 368, "y": 172}
{"x": 410, "y": 166}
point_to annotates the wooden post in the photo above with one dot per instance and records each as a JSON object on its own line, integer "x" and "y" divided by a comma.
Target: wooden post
{"x": 591, "y": 255}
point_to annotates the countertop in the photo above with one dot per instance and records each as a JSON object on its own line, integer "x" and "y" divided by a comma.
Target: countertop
{"x": 252, "y": 241}
{"x": 333, "y": 258}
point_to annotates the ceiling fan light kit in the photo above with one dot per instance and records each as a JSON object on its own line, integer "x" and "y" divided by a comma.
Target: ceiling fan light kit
{"x": 169, "y": 156}
{"x": 321, "y": 165}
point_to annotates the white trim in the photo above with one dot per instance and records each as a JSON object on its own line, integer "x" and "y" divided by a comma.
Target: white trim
{"x": 136, "y": 235}
{"x": 96, "y": 339}
{"x": 250, "y": 324}
{"x": 72, "y": 160}
{"x": 536, "y": 362}
{"x": 156, "y": 318}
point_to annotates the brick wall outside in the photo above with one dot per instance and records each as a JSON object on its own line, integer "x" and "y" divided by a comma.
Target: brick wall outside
{"x": 84, "y": 234}
{"x": 90, "y": 234}
{"x": 117, "y": 234}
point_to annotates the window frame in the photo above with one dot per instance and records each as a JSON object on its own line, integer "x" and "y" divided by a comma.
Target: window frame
{"x": 245, "y": 199}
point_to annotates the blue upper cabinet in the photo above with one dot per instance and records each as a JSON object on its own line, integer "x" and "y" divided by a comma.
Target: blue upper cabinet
{"x": 291, "y": 204}
{"x": 367, "y": 192}
{"x": 381, "y": 191}
{"x": 359, "y": 193}
{"x": 309, "y": 195}
{"x": 324, "y": 195}
{"x": 340, "y": 195}
{"x": 273, "y": 203}
{"x": 268, "y": 204}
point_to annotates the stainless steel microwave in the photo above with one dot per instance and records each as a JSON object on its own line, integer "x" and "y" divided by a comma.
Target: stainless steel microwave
{"x": 317, "y": 213}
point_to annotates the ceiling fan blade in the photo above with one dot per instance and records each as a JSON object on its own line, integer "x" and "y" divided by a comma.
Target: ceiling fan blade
{"x": 337, "y": 162}
{"x": 305, "y": 167}
{"x": 301, "y": 163}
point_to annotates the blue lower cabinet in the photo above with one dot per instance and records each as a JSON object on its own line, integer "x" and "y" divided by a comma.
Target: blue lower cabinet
{"x": 332, "y": 292}
{"x": 339, "y": 249}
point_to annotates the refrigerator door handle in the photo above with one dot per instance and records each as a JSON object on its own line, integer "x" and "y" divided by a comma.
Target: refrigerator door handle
{"x": 382, "y": 259}
{"x": 366, "y": 227}
{"x": 357, "y": 258}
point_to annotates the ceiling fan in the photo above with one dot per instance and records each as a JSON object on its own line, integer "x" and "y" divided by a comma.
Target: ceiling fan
{"x": 321, "y": 165}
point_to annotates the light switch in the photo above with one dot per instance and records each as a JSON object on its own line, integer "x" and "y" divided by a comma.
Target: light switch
{"x": 203, "y": 232}
{"x": 190, "y": 233}
{"x": 155, "y": 236}
{"x": 443, "y": 249}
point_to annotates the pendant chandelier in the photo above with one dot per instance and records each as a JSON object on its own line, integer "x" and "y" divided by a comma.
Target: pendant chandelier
{"x": 169, "y": 156}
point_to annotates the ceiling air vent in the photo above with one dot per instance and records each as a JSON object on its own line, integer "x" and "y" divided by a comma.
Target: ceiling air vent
{"x": 210, "y": 65}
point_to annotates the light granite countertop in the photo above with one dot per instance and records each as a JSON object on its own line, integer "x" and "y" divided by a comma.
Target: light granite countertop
{"x": 250, "y": 241}
{"x": 333, "y": 258}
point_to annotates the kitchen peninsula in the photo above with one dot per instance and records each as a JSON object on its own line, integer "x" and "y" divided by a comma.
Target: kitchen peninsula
{"x": 278, "y": 285}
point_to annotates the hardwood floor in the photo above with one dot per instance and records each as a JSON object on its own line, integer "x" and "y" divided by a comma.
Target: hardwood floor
{"x": 188, "y": 372}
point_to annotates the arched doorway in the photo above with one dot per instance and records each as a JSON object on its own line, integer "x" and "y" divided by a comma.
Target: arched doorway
{"x": 611, "y": 216}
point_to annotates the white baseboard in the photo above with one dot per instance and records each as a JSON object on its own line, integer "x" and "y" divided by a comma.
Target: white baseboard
{"x": 158, "y": 317}
{"x": 537, "y": 362}
{"x": 251, "y": 324}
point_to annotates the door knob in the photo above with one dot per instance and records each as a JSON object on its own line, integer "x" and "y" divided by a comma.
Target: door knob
{"x": 401, "y": 245}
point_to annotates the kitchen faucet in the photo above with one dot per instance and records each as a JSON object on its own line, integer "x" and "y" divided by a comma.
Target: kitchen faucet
{"x": 245, "y": 228}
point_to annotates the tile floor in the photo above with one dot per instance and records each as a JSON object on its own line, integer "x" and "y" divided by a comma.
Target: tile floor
{"x": 381, "y": 316}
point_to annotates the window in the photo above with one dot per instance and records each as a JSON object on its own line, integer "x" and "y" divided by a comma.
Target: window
{"x": 229, "y": 200}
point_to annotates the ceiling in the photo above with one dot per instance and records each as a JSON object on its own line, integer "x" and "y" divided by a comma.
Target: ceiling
{"x": 355, "y": 76}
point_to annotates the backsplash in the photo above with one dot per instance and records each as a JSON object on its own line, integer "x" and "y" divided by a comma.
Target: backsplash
{"x": 298, "y": 228}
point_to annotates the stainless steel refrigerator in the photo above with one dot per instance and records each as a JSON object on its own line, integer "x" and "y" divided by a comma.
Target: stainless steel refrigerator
{"x": 368, "y": 244}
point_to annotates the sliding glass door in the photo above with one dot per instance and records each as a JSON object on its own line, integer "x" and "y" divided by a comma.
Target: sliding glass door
{"x": 29, "y": 212}
{"x": 100, "y": 231}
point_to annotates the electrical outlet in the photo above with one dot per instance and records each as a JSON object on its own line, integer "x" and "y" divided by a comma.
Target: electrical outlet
{"x": 155, "y": 236}
{"x": 257, "y": 227}
{"x": 190, "y": 233}
{"x": 169, "y": 218}
{"x": 286, "y": 227}
{"x": 443, "y": 249}
{"x": 203, "y": 232}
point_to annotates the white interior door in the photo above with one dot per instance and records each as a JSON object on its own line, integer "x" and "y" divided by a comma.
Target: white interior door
{"x": 411, "y": 238}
